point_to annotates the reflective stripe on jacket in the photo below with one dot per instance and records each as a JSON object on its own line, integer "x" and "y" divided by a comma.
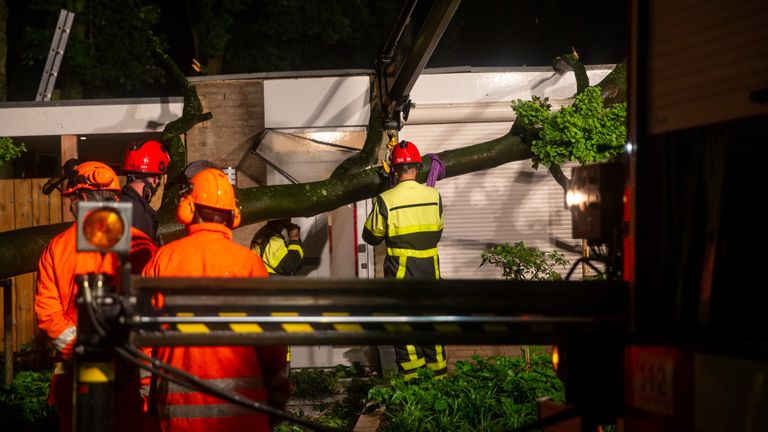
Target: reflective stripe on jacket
{"x": 409, "y": 219}
{"x": 258, "y": 373}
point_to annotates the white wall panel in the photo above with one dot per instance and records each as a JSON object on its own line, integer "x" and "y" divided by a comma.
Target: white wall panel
{"x": 507, "y": 85}
{"x": 316, "y": 102}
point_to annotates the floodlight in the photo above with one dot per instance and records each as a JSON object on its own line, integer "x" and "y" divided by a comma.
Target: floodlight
{"x": 594, "y": 197}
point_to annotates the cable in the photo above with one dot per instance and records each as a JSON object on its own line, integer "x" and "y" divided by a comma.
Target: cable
{"x": 100, "y": 326}
{"x": 190, "y": 381}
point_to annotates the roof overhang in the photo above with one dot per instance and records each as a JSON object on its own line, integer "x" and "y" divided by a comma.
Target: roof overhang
{"x": 85, "y": 117}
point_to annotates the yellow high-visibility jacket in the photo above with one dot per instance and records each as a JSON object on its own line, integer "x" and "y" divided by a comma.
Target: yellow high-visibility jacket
{"x": 409, "y": 219}
{"x": 280, "y": 256}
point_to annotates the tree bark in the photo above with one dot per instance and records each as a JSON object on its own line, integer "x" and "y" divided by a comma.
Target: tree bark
{"x": 349, "y": 183}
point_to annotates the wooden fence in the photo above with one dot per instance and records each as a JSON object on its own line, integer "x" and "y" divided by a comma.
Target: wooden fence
{"x": 22, "y": 205}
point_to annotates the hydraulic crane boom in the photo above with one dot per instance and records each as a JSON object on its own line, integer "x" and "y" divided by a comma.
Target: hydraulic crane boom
{"x": 418, "y": 30}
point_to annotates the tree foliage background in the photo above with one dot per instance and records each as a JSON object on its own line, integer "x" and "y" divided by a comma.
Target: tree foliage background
{"x": 108, "y": 54}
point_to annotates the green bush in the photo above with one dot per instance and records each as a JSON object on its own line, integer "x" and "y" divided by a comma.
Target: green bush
{"x": 322, "y": 384}
{"x": 9, "y": 150}
{"x": 493, "y": 394}
{"x": 24, "y": 406}
{"x": 312, "y": 383}
{"x": 521, "y": 262}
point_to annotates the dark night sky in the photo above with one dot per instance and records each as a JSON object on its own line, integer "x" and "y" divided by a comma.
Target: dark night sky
{"x": 517, "y": 33}
{"x": 491, "y": 33}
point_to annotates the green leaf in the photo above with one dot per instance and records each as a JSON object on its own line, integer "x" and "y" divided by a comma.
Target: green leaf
{"x": 10, "y": 150}
{"x": 587, "y": 131}
{"x": 521, "y": 262}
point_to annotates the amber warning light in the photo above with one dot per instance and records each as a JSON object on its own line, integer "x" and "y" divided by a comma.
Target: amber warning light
{"x": 555, "y": 358}
{"x": 104, "y": 227}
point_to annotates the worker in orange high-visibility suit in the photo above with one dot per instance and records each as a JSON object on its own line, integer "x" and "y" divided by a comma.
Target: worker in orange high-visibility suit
{"x": 209, "y": 211}
{"x": 56, "y": 291}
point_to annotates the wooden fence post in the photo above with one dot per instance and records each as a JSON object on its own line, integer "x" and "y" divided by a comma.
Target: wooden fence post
{"x": 7, "y": 285}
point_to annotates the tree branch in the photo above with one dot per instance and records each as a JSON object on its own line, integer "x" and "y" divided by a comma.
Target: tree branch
{"x": 559, "y": 176}
{"x": 369, "y": 154}
{"x": 570, "y": 62}
{"x": 614, "y": 86}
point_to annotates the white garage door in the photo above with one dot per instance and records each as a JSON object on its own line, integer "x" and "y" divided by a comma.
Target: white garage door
{"x": 509, "y": 203}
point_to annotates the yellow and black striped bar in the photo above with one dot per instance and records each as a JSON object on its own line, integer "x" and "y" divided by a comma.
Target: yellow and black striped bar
{"x": 216, "y": 311}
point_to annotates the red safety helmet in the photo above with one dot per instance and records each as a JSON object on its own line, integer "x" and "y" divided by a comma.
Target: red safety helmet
{"x": 405, "y": 153}
{"x": 146, "y": 157}
{"x": 94, "y": 176}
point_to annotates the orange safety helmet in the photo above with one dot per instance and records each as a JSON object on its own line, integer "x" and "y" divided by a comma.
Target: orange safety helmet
{"x": 209, "y": 188}
{"x": 146, "y": 157}
{"x": 405, "y": 153}
{"x": 92, "y": 176}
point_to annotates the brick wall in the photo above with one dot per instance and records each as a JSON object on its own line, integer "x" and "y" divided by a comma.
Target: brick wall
{"x": 238, "y": 117}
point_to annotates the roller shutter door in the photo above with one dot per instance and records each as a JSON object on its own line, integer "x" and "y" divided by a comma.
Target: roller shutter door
{"x": 509, "y": 203}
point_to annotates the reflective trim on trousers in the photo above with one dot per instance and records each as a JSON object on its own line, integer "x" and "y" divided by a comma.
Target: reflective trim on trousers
{"x": 410, "y": 376}
{"x": 438, "y": 366}
{"x": 227, "y": 384}
{"x": 204, "y": 411}
{"x": 144, "y": 373}
{"x": 61, "y": 368}
{"x": 415, "y": 362}
{"x": 440, "y": 363}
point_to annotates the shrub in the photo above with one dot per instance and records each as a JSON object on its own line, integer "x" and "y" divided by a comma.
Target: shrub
{"x": 9, "y": 150}
{"x": 322, "y": 385}
{"x": 24, "y": 406}
{"x": 493, "y": 394}
{"x": 312, "y": 383}
{"x": 521, "y": 262}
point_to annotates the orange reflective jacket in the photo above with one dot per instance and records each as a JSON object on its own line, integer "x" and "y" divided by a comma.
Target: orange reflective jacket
{"x": 56, "y": 315}
{"x": 257, "y": 373}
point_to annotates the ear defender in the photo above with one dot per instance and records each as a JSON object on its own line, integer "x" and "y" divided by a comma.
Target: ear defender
{"x": 185, "y": 211}
{"x": 235, "y": 220}
{"x": 100, "y": 177}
